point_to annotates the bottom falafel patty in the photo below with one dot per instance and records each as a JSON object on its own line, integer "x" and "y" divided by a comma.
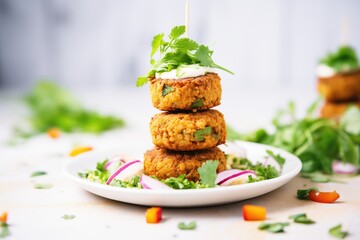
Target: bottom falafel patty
{"x": 163, "y": 163}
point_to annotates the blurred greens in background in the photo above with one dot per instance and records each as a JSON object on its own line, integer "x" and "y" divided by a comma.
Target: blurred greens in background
{"x": 316, "y": 141}
{"x": 51, "y": 106}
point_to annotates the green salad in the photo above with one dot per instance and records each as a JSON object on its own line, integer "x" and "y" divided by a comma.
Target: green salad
{"x": 240, "y": 170}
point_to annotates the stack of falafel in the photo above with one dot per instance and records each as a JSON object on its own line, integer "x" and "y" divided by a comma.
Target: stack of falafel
{"x": 340, "y": 91}
{"x": 188, "y": 133}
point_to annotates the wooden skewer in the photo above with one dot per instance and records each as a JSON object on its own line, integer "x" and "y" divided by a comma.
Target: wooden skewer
{"x": 345, "y": 31}
{"x": 187, "y": 18}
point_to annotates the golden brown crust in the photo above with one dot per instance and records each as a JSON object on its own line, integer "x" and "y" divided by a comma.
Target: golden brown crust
{"x": 335, "y": 110}
{"x": 340, "y": 87}
{"x": 164, "y": 163}
{"x": 178, "y": 131}
{"x": 185, "y": 92}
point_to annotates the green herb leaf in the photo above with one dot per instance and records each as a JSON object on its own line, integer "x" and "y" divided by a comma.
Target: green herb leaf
{"x": 304, "y": 193}
{"x": 273, "y": 227}
{"x": 343, "y": 60}
{"x": 141, "y": 81}
{"x": 279, "y": 159}
{"x": 189, "y": 226}
{"x": 207, "y": 173}
{"x": 301, "y": 218}
{"x": 176, "y": 32}
{"x": 198, "y": 103}
{"x": 166, "y": 90}
{"x": 4, "y": 230}
{"x": 68, "y": 217}
{"x": 156, "y": 43}
{"x": 43, "y": 185}
{"x": 184, "y": 44}
{"x": 337, "y": 232}
{"x": 182, "y": 182}
{"x": 38, "y": 173}
{"x": 200, "y": 134}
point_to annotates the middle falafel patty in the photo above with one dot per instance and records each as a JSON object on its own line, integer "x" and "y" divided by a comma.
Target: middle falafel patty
{"x": 188, "y": 131}
{"x": 164, "y": 163}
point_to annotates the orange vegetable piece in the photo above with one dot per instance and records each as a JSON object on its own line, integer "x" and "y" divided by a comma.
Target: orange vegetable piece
{"x": 323, "y": 197}
{"x": 78, "y": 150}
{"x": 254, "y": 213}
{"x": 53, "y": 133}
{"x": 153, "y": 215}
{"x": 3, "y": 217}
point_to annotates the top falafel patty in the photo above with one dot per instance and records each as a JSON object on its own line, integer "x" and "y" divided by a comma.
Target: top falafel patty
{"x": 196, "y": 93}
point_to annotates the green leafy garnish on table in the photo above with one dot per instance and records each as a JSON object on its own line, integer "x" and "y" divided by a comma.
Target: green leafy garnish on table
{"x": 38, "y": 173}
{"x": 303, "y": 194}
{"x": 189, "y": 226}
{"x": 4, "y": 230}
{"x": 316, "y": 141}
{"x": 207, "y": 172}
{"x": 43, "y": 185}
{"x": 273, "y": 227}
{"x": 337, "y": 232}
{"x": 51, "y": 106}
{"x": 177, "y": 51}
{"x": 301, "y": 218}
{"x": 343, "y": 60}
{"x": 68, "y": 217}
{"x": 319, "y": 177}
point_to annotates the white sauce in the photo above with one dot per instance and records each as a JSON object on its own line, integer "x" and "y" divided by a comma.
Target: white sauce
{"x": 185, "y": 71}
{"x": 324, "y": 71}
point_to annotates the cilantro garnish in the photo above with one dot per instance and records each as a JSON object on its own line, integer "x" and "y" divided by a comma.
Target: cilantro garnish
{"x": 301, "y": 218}
{"x": 304, "y": 193}
{"x": 200, "y": 134}
{"x": 182, "y": 183}
{"x": 189, "y": 226}
{"x": 337, "y": 232}
{"x": 343, "y": 60}
{"x": 207, "y": 173}
{"x": 177, "y": 51}
{"x": 38, "y": 173}
{"x": 273, "y": 227}
{"x": 68, "y": 217}
{"x": 279, "y": 159}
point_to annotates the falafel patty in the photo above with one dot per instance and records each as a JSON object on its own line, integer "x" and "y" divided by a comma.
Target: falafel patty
{"x": 188, "y": 131}
{"x": 336, "y": 109}
{"x": 164, "y": 163}
{"x": 340, "y": 87}
{"x": 197, "y": 93}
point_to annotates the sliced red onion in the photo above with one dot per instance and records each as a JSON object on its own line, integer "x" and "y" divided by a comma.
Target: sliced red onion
{"x": 151, "y": 183}
{"x": 126, "y": 171}
{"x": 344, "y": 168}
{"x": 114, "y": 163}
{"x": 234, "y": 176}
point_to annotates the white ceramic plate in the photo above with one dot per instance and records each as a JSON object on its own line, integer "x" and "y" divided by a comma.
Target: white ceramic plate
{"x": 189, "y": 197}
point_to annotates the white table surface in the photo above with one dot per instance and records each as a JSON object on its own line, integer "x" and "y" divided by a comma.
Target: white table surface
{"x": 37, "y": 213}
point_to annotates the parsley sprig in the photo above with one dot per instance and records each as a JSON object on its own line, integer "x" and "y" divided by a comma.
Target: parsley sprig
{"x": 176, "y": 52}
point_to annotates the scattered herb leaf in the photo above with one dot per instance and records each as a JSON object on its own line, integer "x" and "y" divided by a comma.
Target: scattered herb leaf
{"x": 200, "y": 134}
{"x": 4, "y": 230}
{"x": 198, "y": 103}
{"x": 43, "y": 185}
{"x": 207, "y": 173}
{"x": 166, "y": 90}
{"x": 337, "y": 232}
{"x": 273, "y": 227}
{"x": 189, "y": 226}
{"x": 304, "y": 193}
{"x": 301, "y": 218}
{"x": 38, "y": 173}
{"x": 68, "y": 217}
